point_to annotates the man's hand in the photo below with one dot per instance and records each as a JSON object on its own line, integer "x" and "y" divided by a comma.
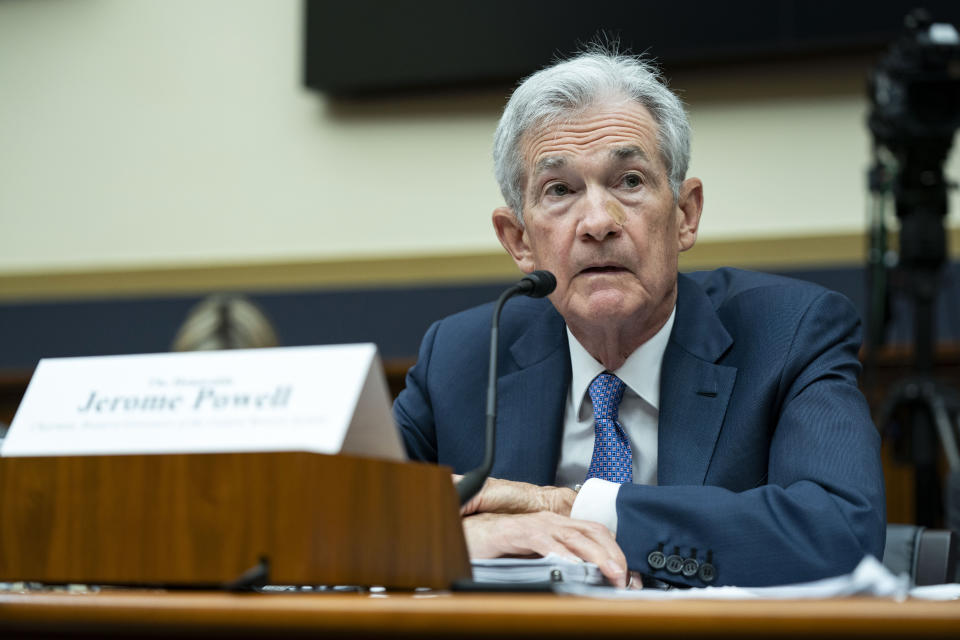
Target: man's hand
{"x": 507, "y": 496}
{"x": 492, "y": 535}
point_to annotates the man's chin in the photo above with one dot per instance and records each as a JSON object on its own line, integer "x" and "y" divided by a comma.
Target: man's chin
{"x": 605, "y": 306}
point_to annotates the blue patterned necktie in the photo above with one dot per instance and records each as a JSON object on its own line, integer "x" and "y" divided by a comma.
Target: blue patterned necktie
{"x": 612, "y": 456}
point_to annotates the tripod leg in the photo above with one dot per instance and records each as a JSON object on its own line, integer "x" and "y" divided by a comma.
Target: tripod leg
{"x": 952, "y": 491}
{"x": 945, "y": 429}
{"x": 925, "y": 451}
{"x": 952, "y": 519}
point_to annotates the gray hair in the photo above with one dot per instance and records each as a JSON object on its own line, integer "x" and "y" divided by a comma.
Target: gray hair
{"x": 571, "y": 87}
{"x": 225, "y": 322}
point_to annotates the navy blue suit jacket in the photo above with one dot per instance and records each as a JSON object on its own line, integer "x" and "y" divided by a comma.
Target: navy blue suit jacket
{"x": 768, "y": 460}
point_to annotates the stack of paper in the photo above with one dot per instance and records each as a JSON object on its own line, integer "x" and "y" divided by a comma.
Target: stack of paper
{"x": 550, "y": 568}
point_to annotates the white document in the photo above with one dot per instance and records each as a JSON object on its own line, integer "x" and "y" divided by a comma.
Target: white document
{"x": 324, "y": 399}
{"x": 870, "y": 578}
{"x": 550, "y": 568}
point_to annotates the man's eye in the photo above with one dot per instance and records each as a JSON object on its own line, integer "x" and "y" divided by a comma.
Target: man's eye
{"x": 631, "y": 181}
{"x": 558, "y": 189}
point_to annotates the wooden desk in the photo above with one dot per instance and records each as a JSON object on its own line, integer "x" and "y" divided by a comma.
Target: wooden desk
{"x": 279, "y": 615}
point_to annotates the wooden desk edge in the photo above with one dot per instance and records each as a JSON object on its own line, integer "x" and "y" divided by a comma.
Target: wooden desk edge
{"x": 466, "y": 615}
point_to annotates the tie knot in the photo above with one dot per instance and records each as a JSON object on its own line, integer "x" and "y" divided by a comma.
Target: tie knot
{"x": 606, "y": 390}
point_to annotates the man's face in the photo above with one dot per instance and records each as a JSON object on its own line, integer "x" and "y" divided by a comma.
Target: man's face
{"x": 599, "y": 214}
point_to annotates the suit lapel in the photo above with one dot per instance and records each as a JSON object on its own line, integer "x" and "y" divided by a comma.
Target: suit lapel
{"x": 694, "y": 390}
{"x": 694, "y": 393}
{"x": 531, "y": 403}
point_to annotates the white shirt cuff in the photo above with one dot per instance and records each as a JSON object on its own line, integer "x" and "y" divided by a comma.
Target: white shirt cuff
{"x": 597, "y": 501}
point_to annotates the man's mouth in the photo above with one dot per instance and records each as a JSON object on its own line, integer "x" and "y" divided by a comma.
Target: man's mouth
{"x": 607, "y": 268}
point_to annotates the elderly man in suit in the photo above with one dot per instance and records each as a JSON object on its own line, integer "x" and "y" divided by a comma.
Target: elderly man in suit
{"x": 695, "y": 428}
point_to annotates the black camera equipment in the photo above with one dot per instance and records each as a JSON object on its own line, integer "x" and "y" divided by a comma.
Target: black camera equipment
{"x": 915, "y": 110}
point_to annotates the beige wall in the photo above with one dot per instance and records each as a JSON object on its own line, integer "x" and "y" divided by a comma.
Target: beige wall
{"x": 138, "y": 133}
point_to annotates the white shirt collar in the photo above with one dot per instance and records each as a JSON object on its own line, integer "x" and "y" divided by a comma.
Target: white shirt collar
{"x": 640, "y": 372}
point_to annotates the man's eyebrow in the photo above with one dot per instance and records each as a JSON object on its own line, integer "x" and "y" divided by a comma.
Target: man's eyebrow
{"x": 628, "y": 152}
{"x": 548, "y": 163}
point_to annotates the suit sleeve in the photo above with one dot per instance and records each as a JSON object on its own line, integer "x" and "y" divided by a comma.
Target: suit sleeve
{"x": 822, "y": 506}
{"x": 413, "y": 411}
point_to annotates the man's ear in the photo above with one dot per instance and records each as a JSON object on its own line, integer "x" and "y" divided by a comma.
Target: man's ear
{"x": 513, "y": 237}
{"x": 689, "y": 207}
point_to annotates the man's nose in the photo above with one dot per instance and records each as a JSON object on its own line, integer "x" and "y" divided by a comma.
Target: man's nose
{"x": 601, "y": 217}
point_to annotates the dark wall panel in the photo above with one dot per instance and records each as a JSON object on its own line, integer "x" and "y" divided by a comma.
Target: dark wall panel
{"x": 393, "y": 318}
{"x": 373, "y": 46}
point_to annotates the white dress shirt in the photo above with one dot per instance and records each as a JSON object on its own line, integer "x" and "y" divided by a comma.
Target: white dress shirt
{"x": 639, "y": 416}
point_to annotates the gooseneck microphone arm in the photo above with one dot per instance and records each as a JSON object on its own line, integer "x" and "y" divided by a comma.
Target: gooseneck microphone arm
{"x": 536, "y": 285}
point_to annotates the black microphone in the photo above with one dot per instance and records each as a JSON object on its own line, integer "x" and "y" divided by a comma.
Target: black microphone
{"x": 536, "y": 285}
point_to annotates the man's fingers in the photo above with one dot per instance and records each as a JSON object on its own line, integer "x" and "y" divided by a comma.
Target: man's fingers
{"x": 591, "y": 542}
{"x": 578, "y": 545}
{"x": 493, "y": 535}
{"x": 600, "y": 535}
{"x": 594, "y": 543}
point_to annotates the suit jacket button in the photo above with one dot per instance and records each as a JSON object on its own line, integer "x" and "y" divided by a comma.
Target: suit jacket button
{"x": 674, "y": 564}
{"x": 689, "y": 568}
{"x": 656, "y": 560}
{"x": 707, "y": 573}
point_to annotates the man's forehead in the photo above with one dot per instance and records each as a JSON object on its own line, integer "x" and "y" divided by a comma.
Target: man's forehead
{"x": 618, "y": 152}
{"x": 624, "y": 126}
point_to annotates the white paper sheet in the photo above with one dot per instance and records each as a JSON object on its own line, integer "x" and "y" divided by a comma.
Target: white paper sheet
{"x": 870, "y": 578}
